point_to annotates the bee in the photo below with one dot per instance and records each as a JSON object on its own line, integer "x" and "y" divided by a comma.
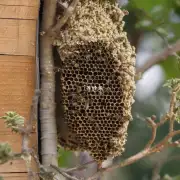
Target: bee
{"x": 78, "y": 89}
{"x": 76, "y": 65}
{"x": 88, "y": 88}
{"x": 94, "y": 88}
{"x": 87, "y": 105}
{"x": 100, "y": 89}
{"x": 65, "y": 108}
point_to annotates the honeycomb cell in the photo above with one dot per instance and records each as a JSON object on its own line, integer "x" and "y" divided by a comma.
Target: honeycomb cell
{"x": 95, "y": 71}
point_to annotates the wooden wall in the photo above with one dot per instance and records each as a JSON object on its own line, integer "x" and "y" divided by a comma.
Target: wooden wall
{"x": 18, "y": 20}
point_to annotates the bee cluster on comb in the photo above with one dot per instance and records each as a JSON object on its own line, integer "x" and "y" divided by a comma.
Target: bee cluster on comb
{"x": 97, "y": 79}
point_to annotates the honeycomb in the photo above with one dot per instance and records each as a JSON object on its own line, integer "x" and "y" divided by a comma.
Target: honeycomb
{"x": 97, "y": 80}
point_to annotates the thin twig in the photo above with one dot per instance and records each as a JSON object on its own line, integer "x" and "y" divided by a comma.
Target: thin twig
{"x": 25, "y": 150}
{"x": 62, "y": 21}
{"x": 171, "y": 112}
{"x": 126, "y": 162}
{"x": 80, "y": 167}
{"x": 154, "y": 130}
{"x": 170, "y": 135}
{"x": 156, "y": 170}
{"x": 138, "y": 156}
{"x": 163, "y": 120}
{"x": 159, "y": 57}
{"x": 63, "y": 173}
{"x": 175, "y": 143}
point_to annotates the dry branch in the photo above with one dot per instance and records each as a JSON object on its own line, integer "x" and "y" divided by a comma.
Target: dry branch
{"x": 154, "y": 130}
{"x": 53, "y": 31}
{"x": 64, "y": 173}
{"x": 69, "y": 11}
{"x": 169, "y": 51}
{"x": 149, "y": 148}
{"x": 80, "y": 167}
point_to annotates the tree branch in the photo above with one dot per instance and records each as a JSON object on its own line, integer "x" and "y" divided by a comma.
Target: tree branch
{"x": 149, "y": 149}
{"x": 154, "y": 130}
{"x": 64, "y": 173}
{"x": 80, "y": 167}
{"x": 170, "y": 50}
{"x": 146, "y": 152}
{"x": 47, "y": 102}
{"x": 63, "y": 20}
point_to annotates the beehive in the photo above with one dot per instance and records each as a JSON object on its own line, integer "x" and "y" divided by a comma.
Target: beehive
{"x": 97, "y": 79}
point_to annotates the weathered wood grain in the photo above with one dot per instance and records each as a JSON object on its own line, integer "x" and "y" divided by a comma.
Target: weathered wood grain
{"x": 18, "y": 12}
{"x": 20, "y": 2}
{"x": 16, "y": 166}
{"x": 17, "y": 37}
{"x": 14, "y": 176}
{"x": 17, "y": 84}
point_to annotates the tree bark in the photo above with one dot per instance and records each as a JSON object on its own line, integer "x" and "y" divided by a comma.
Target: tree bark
{"x": 47, "y": 102}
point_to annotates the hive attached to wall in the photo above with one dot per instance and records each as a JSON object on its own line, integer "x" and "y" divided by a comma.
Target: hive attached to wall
{"x": 97, "y": 80}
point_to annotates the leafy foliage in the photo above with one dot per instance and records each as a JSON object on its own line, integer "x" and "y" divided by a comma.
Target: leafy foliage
{"x": 172, "y": 83}
{"x": 161, "y": 18}
{"x": 5, "y": 152}
{"x": 13, "y": 120}
{"x": 63, "y": 157}
{"x": 158, "y": 16}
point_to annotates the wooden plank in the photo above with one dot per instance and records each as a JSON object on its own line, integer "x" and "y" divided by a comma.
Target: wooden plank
{"x": 20, "y": 2}
{"x": 13, "y": 166}
{"x": 17, "y": 83}
{"x": 14, "y": 176}
{"x": 18, "y": 12}
{"x": 16, "y": 166}
{"x": 14, "y": 140}
{"x": 17, "y": 37}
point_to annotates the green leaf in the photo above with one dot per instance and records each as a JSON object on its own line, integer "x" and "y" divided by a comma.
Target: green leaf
{"x": 172, "y": 83}
{"x": 171, "y": 67}
{"x": 5, "y": 152}
{"x": 13, "y": 120}
{"x": 148, "y": 5}
{"x": 63, "y": 157}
